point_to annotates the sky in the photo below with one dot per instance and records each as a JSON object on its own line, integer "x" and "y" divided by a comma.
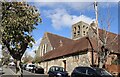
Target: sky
{"x": 58, "y": 16}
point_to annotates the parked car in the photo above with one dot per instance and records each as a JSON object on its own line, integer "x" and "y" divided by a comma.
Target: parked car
{"x": 39, "y": 70}
{"x": 90, "y": 72}
{"x": 56, "y": 71}
{"x": 30, "y": 67}
{"x": 24, "y": 66}
{"x": 1, "y": 71}
{"x": 11, "y": 64}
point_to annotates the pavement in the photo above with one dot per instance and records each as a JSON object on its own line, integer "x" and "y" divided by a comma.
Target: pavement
{"x": 8, "y": 71}
{"x": 11, "y": 73}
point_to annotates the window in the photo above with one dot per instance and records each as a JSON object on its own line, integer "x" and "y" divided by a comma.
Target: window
{"x": 86, "y": 27}
{"x": 83, "y": 26}
{"x": 79, "y": 27}
{"x": 46, "y": 47}
{"x": 90, "y": 71}
{"x": 57, "y": 69}
{"x": 52, "y": 69}
{"x": 74, "y": 34}
{"x": 31, "y": 65}
{"x": 78, "y": 32}
{"x": 83, "y": 31}
{"x": 74, "y": 28}
{"x": 43, "y": 48}
{"x": 81, "y": 70}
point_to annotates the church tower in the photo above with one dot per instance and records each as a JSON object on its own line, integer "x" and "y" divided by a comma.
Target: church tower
{"x": 79, "y": 30}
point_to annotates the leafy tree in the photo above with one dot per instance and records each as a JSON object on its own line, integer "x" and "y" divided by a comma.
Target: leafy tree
{"x": 19, "y": 19}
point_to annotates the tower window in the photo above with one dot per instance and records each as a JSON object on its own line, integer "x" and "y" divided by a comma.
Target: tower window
{"x": 78, "y": 32}
{"x": 83, "y": 26}
{"x": 83, "y": 31}
{"x": 86, "y": 27}
{"x": 74, "y": 33}
{"x": 79, "y": 27}
{"x": 74, "y": 28}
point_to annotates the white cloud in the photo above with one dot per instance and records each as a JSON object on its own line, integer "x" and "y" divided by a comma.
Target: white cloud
{"x": 61, "y": 18}
{"x": 82, "y": 18}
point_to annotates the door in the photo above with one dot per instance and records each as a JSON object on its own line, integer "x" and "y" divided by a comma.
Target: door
{"x": 64, "y": 61}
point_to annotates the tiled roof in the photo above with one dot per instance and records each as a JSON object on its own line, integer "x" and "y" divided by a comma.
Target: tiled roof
{"x": 71, "y": 46}
{"x": 77, "y": 46}
{"x": 55, "y": 40}
{"x": 112, "y": 40}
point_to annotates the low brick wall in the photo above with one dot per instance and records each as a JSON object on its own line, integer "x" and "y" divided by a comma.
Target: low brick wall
{"x": 113, "y": 69}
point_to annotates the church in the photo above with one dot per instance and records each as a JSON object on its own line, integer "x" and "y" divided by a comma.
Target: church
{"x": 81, "y": 50}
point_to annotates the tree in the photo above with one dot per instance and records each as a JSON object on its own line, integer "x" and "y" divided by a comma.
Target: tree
{"x": 104, "y": 44}
{"x": 19, "y": 19}
{"x": 6, "y": 56}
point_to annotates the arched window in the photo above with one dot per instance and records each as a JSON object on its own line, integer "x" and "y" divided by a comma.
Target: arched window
{"x": 78, "y": 31}
{"x": 74, "y": 28}
{"x": 83, "y": 26}
{"x": 74, "y": 31}
{"x": 79, "y": 27}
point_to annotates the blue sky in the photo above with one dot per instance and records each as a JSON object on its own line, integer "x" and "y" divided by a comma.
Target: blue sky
{"x": 58, "y": 17}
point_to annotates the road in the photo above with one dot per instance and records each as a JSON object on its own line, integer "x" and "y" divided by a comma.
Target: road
{"x": 25, "y": 74}
{"x": 24, "y": 71}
